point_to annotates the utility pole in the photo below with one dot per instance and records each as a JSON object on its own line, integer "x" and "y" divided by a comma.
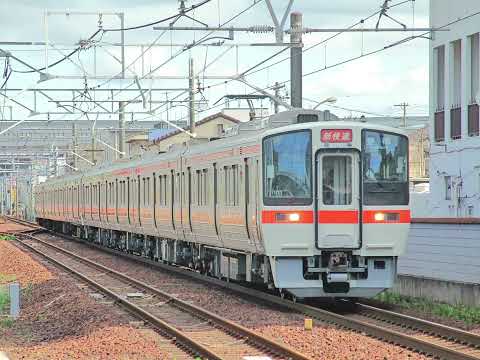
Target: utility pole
{"x": 122, "y": 41}
{"x": 74, "y": 143}
{"x": 93, "y": 147}
{"x": 296, "y": 29}
{"x": 404, "y": 106}
{"x": 121, "y": 129}
{"x": 277, "y": 95}
{"x": 191, "y": 85}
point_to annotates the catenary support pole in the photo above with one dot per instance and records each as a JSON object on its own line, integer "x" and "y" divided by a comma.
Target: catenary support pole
{"x": 277, "y": 95}
{"x": 191, "y": 85}
{"x": 296, "y": 59}
{"x": 121, "y": 129}
{"x": 74, "y": 143}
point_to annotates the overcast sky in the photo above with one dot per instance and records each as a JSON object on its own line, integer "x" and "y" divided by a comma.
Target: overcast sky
{"x": 372, "y": 84}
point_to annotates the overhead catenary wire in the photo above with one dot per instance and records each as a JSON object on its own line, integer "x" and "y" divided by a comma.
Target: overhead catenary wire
{"x": 60, "y": 60}
{"x": 103, "y": 31}
{"x": 88, "y": 41}
{"x": 394, "y": 44}
{"x": 184, "y": 11}
{"x": 181, "y": 52}
{"x": 324, "y": 41}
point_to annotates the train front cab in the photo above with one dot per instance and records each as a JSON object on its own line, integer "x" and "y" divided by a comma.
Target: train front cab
{"x": 335, "y": 215}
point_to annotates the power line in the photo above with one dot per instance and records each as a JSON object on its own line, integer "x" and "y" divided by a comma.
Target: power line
{"x": 58, "y": 61}
{"x": 182, "y": 12}
{"x": 403, "y": 41}
{"x": 103, "y": 31}
{"x": 308, "y": 48}
{"x": 332, "y": 36}
{"x": 181, "y": 52}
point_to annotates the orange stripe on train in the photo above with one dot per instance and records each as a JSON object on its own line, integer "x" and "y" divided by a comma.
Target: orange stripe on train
{"x": 332, "y": 217}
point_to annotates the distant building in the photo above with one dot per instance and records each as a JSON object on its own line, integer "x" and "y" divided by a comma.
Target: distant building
{"x": 454, "y": 100}
{"x": 137, "y": 144}
{"x": 207, "y": 128}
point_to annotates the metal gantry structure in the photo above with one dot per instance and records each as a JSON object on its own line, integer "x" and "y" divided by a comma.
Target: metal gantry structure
{"x": 47, "y": 123}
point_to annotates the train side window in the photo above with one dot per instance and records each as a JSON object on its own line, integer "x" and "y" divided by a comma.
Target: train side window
{"x": 177, "y": 188}
{"x": 124, "y": 193}
{"x": 198, "y": 184}
{"x": 205, "y": 187}
{"x": 235, "y": 185}
{"x": 162, "y": 190}
{"x": 231, "y": 185}
{"x": 148, "y": 190}
{"x": 226, "y": 185}
{"x": 201, "y": 187}
{"x": 160, "y": 194}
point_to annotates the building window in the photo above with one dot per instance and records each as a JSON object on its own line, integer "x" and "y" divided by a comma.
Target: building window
{"x": 439, "y": 126}
{"x": 456, "y": 123}
{"x": 475, "y": 67}
{"x": 473, "y": 120}
{"x": 440, "y": 77}
{"x": 448, "y": 187}
{"x": 457, "y": 74}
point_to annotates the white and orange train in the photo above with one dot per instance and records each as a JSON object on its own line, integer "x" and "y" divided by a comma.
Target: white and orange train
{"x": 311, "y": 207}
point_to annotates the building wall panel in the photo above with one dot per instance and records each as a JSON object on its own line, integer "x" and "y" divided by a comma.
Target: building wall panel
{"x": 449, "y": 252}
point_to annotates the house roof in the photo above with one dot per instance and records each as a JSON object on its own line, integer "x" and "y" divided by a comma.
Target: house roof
{"x": 198, "y": 123}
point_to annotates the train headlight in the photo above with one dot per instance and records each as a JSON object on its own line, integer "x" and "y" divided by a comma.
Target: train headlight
{"x": 294, "y": 217}
{"x": 379, "y": 216}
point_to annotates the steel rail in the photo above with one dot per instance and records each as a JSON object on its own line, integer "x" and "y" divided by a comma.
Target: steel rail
{"x": 250, "y": 336}
{"x": 376, "y": 331}
{"x": 198, "y": 348}
{"x": 440, "y": 330}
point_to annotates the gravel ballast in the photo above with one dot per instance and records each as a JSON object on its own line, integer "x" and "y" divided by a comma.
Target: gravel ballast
{"x": 61, "y": 318}
{"x": 324, "y": 342}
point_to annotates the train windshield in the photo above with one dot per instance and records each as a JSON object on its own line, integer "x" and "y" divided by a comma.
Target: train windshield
{"x": 287, "y": 169}
{"x": 385, "y": 168}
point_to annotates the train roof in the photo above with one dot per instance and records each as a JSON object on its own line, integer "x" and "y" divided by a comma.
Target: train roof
{"x": 242, "y": 134}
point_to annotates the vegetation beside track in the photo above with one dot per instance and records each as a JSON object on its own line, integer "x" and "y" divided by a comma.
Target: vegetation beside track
{"x": 4, "y": 299}
{"x": 5, "y": 321}
{"x": 468, "y": 314}
{"x": 7, "y": 237}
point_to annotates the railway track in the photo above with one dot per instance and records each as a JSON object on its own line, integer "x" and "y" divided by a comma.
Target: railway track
{"x": 423, "y": 336}
{"x": 454, "y": 343}
{"x": 205, "y": 334}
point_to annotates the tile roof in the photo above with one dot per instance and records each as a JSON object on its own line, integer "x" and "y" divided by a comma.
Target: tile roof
{"x": 198, "y": 123}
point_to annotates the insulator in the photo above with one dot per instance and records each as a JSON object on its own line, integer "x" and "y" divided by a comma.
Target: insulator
{"x": 260, "y": 29}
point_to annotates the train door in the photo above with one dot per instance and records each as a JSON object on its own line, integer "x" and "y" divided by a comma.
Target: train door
{"x": 251, "y": 195}
{"x": 90, "y": 200}
{"x": 187, "y": 181}
{"x": 138, "y": 198}
{"x": 172, "y": 198}
{"x": 129, "y": 201}
{"x": 108, "y": 200}
{"x": 215, "y": 197}
{"x": 177, "y": 202}
{"x": 99, "y": 200}
{"x": 338, "y": 211}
